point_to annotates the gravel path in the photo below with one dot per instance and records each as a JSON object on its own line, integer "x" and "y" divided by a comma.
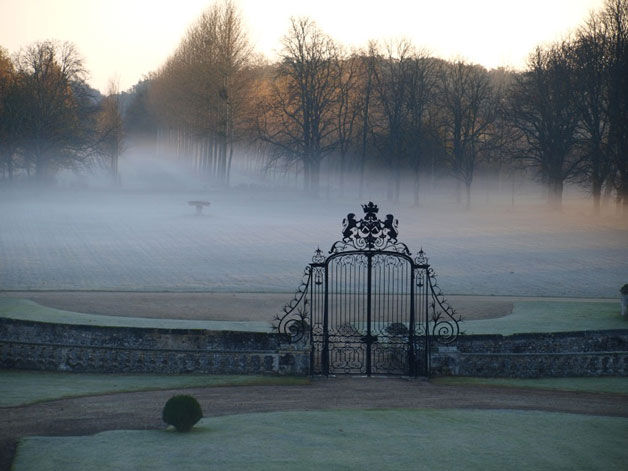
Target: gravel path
{"x": 142, "y": 410}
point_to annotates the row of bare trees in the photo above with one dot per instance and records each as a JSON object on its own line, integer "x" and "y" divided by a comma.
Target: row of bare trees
{"x": 389, "y": 109}
{"x": 398, "y": 110}
{"x": 201, "y": 92}
{"x": 570, "y": 108}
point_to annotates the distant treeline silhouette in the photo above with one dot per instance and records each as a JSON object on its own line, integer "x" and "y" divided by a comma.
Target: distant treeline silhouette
{"x": 389, "y": 109}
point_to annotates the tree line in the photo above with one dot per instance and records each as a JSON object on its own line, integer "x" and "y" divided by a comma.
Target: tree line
{"x": 389, "y": 109}
{"x": 50, "y": 118}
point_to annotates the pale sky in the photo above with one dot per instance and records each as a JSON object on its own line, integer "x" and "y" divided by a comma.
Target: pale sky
{"x": 129, "y": 38}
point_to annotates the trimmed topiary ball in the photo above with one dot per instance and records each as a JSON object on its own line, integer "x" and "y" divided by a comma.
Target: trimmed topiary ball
{"x": 182, "y": 412}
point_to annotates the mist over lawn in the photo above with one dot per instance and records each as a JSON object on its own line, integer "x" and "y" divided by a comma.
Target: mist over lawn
{"x": 254, "y": 238}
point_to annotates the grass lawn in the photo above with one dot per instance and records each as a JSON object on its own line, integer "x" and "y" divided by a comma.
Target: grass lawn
{"x": 26, "y": 387}
{"x": 527, "y": 316}
{"x": 604, "y": 384}
{"x": 346, "y": 440}
{"x": 551, "y": 316}
{"x": 24, "y": 309}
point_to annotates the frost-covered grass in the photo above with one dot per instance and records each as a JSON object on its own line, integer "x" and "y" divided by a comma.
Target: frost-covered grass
{"x": 551, "y": 316}
{"x": 260, "y": 242}
{"x": 26, "y": 387}
{"x": 352, "y": 440}
{"x": 527, "y": 316}
{"x": 602, "y": 384}
{"x": 24, "y": 309}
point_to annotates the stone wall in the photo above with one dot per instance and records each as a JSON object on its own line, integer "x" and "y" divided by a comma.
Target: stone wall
{"x": 63, "y": 347}
{"x": 589, "y": 353}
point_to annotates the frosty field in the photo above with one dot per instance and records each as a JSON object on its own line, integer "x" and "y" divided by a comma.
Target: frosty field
{"x": 260, "y": 242}
{"x": 394, "y": 439}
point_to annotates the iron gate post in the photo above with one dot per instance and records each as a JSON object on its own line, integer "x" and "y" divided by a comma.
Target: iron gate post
{"x": 411, "y": 358}
{"x": 325, "y": 353}
{"x": 310, "y": 288}
{"x": 426, "y": 337}
{"x": 368, "y": 312}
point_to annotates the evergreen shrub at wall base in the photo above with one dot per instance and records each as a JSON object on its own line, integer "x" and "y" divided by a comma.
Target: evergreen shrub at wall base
{"x": 182, "y": 412}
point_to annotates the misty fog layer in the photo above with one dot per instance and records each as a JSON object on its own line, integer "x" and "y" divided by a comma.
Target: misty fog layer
{"x": 254, "y": 238}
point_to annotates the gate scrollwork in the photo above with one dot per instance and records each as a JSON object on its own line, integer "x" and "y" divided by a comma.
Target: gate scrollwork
{"x": 293, "y": 322}
{"x": 445, "y": 321}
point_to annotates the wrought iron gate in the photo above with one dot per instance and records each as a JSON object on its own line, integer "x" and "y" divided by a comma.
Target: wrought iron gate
{"x": 368, "y": 307}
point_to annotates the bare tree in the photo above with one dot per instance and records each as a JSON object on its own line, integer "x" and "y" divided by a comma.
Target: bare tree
{"x": 55, "y": 128}
{"x": 468, "y": 107}
{"x": 111, "y": 131}
{"x": 615, "y": 19}
{"x": 391, "y": 80}
{"x": 543, "y": 109}
{"x": 234, "y": 53}
{"x": 368, "y": 62}
{"x": 297, "y": 117}
{"x": 9, "y": 114}
{"x": 421, "y": 92}
{"x": 202, "y": 89}
{"x": 588, "y": 53}
{"x": 347, "y": 109}
{"x": 139, "y": 121}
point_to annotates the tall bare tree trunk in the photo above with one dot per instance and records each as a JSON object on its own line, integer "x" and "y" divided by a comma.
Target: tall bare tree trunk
{"x": 416, "y": 187}
{"x": 555, "y": 192}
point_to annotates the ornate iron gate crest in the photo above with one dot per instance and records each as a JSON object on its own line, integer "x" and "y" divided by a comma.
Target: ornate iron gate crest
{"x": 369, "y": 307}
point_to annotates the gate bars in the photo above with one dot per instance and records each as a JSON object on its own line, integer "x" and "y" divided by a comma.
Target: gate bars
{"x": 369, "y": 307}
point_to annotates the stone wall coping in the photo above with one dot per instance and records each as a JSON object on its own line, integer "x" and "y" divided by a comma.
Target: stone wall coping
{"x": 167, "y": 331}
{"x": 531, "y": 335}
{"x": 163, "y": 331}
{"x": 541, "y": 354}
{"x": 140, "y": 349}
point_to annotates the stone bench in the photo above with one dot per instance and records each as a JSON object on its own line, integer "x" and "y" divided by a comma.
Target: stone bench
{"x": 199, "y": 206}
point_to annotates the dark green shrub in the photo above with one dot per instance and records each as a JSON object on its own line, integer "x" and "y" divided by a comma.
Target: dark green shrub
{"x": 397, "y": 328}
{"x": 624, "y": 289}
{"x": 182, "y": 412}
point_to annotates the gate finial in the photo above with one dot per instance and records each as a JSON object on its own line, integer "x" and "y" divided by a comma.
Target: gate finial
{"x": 421, "y": 259}
{"x": 370, "y": 208}
{"x": 370, "y": 233}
